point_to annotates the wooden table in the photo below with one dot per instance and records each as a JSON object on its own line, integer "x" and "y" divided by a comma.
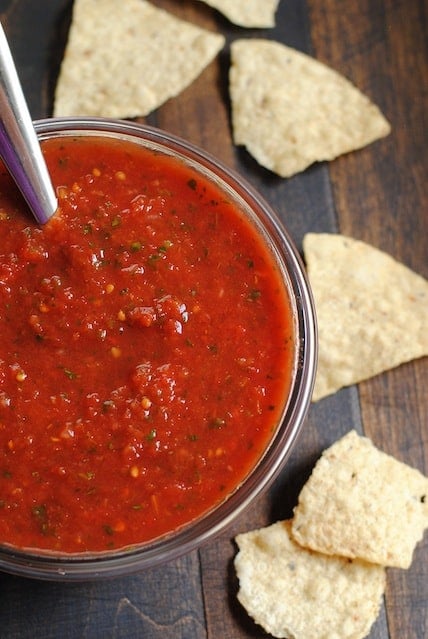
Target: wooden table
{"x": 378, "y": 194}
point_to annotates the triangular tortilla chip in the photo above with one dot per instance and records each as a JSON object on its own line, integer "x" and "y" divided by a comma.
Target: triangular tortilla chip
{"x": 290, "y": 110}
{"x": 124, "y": 59}
{"x": 295, "y": 593}
{"x": 247, "y": 13}
{"x": 372, "y": 310}
{"x": 361, "y": 502}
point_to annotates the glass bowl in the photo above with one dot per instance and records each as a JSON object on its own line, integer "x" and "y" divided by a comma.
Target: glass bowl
{"x": 88, "y": 566}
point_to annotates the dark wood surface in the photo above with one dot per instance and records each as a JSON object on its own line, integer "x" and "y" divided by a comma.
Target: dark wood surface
{"x": 378, "y": 194}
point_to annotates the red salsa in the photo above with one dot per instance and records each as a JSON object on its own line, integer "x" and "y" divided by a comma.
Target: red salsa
{"x": 146, "y": 343}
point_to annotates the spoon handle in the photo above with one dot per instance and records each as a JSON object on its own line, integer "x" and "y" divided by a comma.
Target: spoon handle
{"x": 19, "y": 145}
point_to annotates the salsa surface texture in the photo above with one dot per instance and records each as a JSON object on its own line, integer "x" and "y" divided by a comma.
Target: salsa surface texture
{"x": 146, "y": 345}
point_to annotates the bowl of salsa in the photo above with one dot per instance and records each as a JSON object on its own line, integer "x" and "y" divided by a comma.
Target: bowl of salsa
{"x": 157, "y": 349}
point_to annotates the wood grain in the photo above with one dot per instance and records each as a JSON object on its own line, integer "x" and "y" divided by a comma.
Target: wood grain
{"x": 162, "y": 603}
{"x": 382, "y": 198}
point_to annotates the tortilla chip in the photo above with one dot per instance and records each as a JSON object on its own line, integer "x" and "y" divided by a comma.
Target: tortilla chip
{"x": 372, "y": 310}
{"x": 124, "y": 59}
{"x": 361, "y": 502}
{"x": 247, "y": 13}
{"x": 293, "y": 592}
{"x": 290, "y": 110}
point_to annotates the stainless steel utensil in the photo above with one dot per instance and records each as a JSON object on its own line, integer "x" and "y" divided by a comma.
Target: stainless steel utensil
{"x": 19, "y": 145}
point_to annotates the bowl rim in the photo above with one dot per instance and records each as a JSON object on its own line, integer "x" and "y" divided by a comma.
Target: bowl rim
{"x": 90, "y": 566}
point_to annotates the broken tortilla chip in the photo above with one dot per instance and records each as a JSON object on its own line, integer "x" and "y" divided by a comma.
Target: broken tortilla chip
{"x": 247, "y": 13}
{"x": 361, "y": 502}
{"x": 124, "y": 59}
{"x": 372, "y": 311}
{"x": 295, "y": 593}
{"x": 289, "y": 110}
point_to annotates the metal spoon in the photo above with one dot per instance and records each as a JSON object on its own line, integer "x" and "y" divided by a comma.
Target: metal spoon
{"x": 19, "y": 145}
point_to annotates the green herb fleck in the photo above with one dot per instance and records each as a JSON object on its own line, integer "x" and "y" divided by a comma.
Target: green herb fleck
{"x": 192, "y": 184}
{"x": 39, "y": 511}
{"x": 217, "y": 422}
{"x": 151, "y": 436}
{"x": 165, "y": 246}
{"x": 136, "y": 246}
{"x": 254, "y": 295}
{"x": 108, "y": 530}
{"x": 153, "y": 258}
{"x": 70, "y": 374}
{"x": 107, "y": 405}
{"x": 40, "y": 514}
